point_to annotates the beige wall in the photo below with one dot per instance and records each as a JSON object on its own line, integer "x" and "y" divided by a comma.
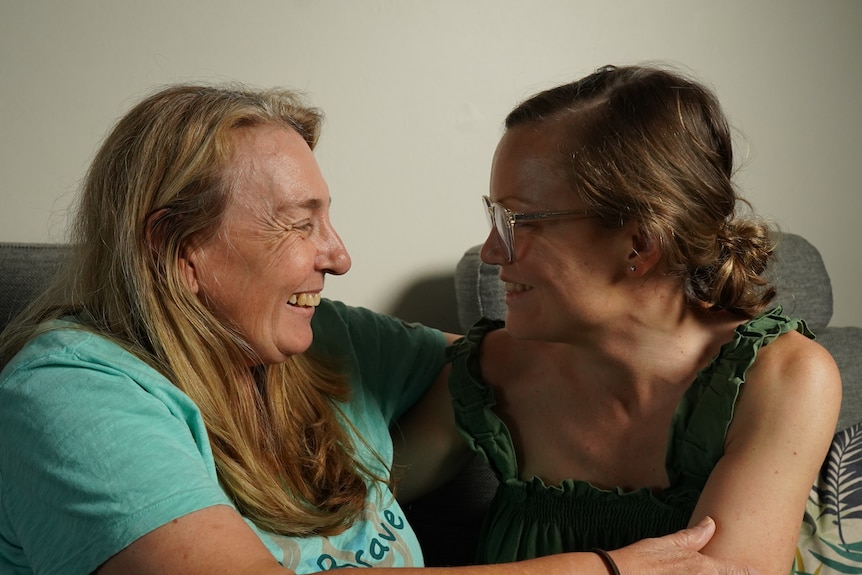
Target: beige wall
{"x": 415, "y": 91}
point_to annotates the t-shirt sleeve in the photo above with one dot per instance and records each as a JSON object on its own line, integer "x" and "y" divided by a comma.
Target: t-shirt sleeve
{"x": 90, "y": 461}
{"x": 397, "y": 360}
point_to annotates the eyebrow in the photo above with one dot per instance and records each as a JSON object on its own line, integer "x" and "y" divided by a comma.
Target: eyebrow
{"x": 312, "y": 204}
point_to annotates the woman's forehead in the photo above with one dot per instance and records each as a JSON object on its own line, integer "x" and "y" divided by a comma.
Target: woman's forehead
{"x": 275, "y": 167}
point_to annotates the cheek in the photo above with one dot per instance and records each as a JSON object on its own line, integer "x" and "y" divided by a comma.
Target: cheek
{"x": 291, "y": 271}
{"x": 553, "y": 261}
{"x": 227, "y": 288}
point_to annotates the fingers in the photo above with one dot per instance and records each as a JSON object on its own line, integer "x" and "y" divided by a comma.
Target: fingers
{"x": 678, "y": 553}
{"x": 696, "y": 537}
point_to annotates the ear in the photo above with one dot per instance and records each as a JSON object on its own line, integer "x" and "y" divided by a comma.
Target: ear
{"x": 644, "y": 254}
{"x": 185, "y": 263}
{"x": 187, "y": 269}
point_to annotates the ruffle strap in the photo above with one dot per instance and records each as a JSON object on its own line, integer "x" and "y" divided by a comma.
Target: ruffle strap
{"x": 473, "y": 401}
{"x": 700, "y": 423}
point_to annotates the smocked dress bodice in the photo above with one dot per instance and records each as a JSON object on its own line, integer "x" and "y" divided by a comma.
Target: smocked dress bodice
{"x": 528, "y": 518}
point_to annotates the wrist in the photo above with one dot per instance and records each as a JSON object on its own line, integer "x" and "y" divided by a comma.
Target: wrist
{"x": 607, "y": 560}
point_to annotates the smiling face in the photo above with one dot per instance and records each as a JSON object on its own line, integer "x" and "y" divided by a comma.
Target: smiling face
{"x": 263, "y": 270}
{"x": 561, "y": 280}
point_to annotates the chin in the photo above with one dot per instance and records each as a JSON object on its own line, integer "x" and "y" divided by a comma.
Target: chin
{"x": 295, "y": 347}
{"x": 280, "y": 351}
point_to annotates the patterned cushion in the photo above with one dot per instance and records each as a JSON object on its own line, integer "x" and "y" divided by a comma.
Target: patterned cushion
{"x": 830, "y": 541}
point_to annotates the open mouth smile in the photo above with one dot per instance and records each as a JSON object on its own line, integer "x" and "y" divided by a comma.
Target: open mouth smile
{"x": 304, "y": 299}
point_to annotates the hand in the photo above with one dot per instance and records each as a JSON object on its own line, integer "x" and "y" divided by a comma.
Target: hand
{"x": 677, "y": 553}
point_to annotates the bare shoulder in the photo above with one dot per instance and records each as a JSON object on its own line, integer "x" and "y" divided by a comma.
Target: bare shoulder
{"x": 796, "y": 363}
{"x": 792, "y": 378}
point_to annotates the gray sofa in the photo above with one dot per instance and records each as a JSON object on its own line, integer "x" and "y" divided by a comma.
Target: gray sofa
{"x": 24, "y": 271}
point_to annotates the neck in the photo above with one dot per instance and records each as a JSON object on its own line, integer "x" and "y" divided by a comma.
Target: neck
{"x": 660, "y": 342}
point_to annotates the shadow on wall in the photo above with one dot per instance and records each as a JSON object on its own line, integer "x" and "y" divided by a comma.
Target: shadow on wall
{"x": 429, "y": 300}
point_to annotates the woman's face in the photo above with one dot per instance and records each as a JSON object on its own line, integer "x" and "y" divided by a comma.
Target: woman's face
{"x": 560, "y": 282}
{"x": 263, "y": 270}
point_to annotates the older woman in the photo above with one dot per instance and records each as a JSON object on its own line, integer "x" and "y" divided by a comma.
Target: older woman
{"x": 182, "y": 400}
{"x": 641, "y": 381}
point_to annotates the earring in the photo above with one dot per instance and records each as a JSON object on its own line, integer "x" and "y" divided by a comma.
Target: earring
{"x": 632, "y": 268}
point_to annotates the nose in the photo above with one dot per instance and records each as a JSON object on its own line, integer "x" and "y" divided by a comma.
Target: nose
{"x": 493, "y": 251}
{"x": 332, "y": 257}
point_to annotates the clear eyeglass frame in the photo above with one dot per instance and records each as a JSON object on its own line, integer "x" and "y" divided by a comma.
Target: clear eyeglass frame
{"x": 503, "y": 221}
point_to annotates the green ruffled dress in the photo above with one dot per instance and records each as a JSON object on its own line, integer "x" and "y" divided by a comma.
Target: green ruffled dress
{"x": 530, "y": 519}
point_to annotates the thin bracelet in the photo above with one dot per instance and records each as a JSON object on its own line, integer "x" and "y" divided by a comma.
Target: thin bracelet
{"x": 606, "y": 558}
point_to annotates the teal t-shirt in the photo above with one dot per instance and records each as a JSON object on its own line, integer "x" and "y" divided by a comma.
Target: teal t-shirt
{"x": 99, "y": 449}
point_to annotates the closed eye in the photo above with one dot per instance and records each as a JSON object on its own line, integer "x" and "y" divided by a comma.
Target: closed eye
{"x": 306, "y": 226}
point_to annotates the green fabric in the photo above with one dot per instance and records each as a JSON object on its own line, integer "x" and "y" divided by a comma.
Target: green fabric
{"x": 530, "y": 519}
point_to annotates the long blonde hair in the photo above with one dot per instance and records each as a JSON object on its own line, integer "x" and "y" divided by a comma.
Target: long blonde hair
{"x": 160, "y": 180}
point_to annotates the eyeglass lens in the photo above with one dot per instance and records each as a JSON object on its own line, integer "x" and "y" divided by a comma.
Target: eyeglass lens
{"x": 499, "y": 221}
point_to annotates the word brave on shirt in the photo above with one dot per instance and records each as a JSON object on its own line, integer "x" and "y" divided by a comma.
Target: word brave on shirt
{"x": 377, "y": 548}
{"x": 374, "y": 540}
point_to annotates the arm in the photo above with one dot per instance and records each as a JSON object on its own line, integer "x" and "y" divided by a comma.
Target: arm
{"x": 216, "y": 541}
{"x": 429, "y": 449}
{"x": 213, "y": 540}
{"x": 781, "y": 431}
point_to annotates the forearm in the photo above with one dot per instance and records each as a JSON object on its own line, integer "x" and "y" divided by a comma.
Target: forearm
{"x": 669, "y": 555}
{"x": 563, "y": 564}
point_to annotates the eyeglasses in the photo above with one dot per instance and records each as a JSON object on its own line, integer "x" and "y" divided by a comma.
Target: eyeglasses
{"x": 503, "y": 220}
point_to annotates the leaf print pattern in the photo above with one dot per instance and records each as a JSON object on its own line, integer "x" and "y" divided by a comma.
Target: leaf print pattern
{"x": 830, "y": 540}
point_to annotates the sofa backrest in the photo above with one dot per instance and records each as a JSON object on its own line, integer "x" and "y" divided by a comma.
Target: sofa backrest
{"x": 25, "y": 269}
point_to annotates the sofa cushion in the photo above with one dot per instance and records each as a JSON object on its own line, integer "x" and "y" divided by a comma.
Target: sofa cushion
{"x": 478, "y": 290}
{"x": 830, "y": 540}
{"x": 845, "y": 345}
{"x": 799, "y": 275}
{"x": 25, "y": 269}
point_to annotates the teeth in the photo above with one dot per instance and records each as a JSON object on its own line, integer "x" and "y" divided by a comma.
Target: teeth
{"x": 305, "y": 299}
{"x": 511, "y": 286}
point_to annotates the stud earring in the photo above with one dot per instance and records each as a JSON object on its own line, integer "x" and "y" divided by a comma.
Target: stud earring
{"x": 636, "y": 254}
